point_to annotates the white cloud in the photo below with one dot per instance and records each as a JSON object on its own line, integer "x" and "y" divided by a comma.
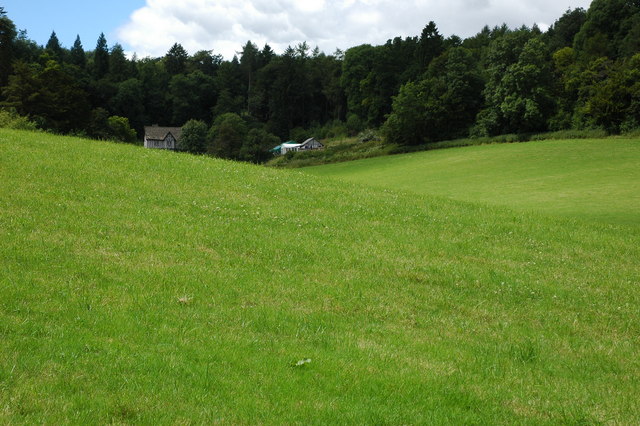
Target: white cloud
{"x": 224, "y": 26}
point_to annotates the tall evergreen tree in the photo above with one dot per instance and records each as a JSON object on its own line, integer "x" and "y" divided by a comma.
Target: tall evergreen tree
{"x": 248, "y": 66}
{"x": 101, "y": 58}
{"x": 77, "y": 55}
{"x": 119, "y": 67}
{"x": 7, "y": 48}
{"x": 266, "y": 55}
{"x": 175, "y": 61}
{"x": 22, "y": 86}
{"x": 53, "y": 47}
{"x": 430, "y": 45}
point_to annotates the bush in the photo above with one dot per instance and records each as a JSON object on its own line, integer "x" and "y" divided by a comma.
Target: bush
{"x": 354, "y": 124}
{"x": 194, "y": 137}
{"x": 368, "y": 135}
{"x": 226, "y": 135}
{"x": 120, "y": 130}
{"x": 630, "y": 127}
{"x": 255, "y": 147}
{"x": 631, "y": 132}
{"x": 571, "y": 134}
{"x": 10, "y": 119}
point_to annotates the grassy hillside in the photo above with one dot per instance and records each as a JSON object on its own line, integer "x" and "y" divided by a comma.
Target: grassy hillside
{"x": 146, "y": 286}
{"x": 592, "y": 179}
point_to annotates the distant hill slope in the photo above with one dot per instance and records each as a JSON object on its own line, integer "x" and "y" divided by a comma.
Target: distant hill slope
{"x": 591, "y": 179}
{"x": 139, "y": 286}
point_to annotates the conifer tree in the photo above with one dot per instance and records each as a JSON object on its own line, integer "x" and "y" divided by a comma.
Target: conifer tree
{"x": 430, "y": 45}
{"x": 77, "y": 56}
{"x": 176, "y": 59}
{"x": 119, "y": 69}
{"x": 53, "y": 47}
{"x": 101, "y": 58}
{"x": 7, "y": 40}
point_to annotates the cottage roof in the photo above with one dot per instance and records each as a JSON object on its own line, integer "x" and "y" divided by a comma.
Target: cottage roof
{"x": 312, "y": 142}
{"x": 159, "y": 133}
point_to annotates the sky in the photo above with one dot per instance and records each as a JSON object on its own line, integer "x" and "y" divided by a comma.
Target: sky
{"x": 151, "y": 27}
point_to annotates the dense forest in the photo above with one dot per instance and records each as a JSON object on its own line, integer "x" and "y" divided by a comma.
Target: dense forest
{"x": 583, "y": 73}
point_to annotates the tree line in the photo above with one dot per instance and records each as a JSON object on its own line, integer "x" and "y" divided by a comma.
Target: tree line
{"x": 582, "y": 73}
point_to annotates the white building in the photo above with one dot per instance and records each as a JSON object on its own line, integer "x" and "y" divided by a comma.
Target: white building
{"x": 311, "y": 143}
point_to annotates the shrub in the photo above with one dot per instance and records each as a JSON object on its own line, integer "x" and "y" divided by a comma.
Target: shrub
{"x": 368, "y": 135}
{"x": 354, "y": 124}
{"x": 256, "y": 145}
{"x": 194, "y": 137}
{"x": 226, "y": 136}
{"x": 630, "y": 126}
{"x": 10, "y": 119}
{"x": 120, "y": 130}
{"x": 571, "y": 134}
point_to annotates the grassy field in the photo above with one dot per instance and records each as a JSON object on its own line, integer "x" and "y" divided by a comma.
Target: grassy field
{"x": 140, "y": 286}
{"x": 594, "y": 179}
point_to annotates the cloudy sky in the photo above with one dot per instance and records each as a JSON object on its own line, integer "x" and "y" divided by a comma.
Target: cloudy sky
{"x": 150, "y": 27}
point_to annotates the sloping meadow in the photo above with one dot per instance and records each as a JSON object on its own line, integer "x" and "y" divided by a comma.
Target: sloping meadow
{"x": 147, "y": 286}
{"x": 589, "y": 179}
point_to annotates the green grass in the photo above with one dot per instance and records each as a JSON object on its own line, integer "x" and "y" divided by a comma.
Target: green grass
{"x": 140, "y": 286}
{"x": 594, "y": 179}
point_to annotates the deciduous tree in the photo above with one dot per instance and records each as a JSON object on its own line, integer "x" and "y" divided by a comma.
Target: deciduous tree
{"x": 194, "y": 137}
{"x": 226, "y": 136}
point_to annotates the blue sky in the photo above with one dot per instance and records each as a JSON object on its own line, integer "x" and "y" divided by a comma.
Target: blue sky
{"x": 151, "y": 27}
{"x": 69, "y": 18}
